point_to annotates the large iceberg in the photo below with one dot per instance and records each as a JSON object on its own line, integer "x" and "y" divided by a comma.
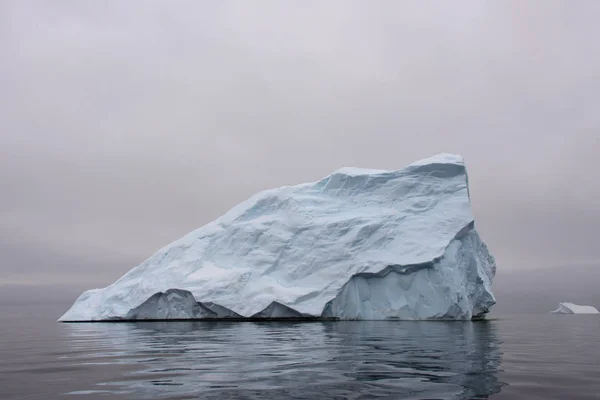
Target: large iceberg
{"x": 357, "y": 244}
{"x": 570, "y": 308}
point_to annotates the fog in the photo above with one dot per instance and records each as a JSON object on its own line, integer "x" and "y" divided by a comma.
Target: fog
{"x": 125, "y": 125}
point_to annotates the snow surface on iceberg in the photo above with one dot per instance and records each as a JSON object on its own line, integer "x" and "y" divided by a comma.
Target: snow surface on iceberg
{"x": 570, "y": 308}
{"x": 357, "y": 244}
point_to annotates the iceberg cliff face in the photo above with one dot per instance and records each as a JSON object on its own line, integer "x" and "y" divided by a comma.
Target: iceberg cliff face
{"x": 457, "y": 285}
{"x": 358, "y": 244}
{"x": 570, "y": 308}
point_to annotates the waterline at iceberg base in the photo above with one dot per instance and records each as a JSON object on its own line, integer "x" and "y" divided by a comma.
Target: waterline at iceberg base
{"x": 357, "y": 244}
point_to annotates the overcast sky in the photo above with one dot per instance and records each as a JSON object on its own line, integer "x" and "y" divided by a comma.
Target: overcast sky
{"x": 126, "y": 124}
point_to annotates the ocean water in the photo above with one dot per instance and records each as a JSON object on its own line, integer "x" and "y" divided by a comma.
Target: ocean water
{"x": 508, "y": 357}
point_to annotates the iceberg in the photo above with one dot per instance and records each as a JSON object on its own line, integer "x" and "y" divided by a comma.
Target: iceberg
{"x": 570, "y": 308}
{"x": 357, "y": 244}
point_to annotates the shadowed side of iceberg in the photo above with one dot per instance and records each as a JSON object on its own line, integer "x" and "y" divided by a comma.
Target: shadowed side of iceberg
{"x": 456, "y": 286}
{"x": 172, "y": 304}
{"x": 180, "y": 305}
{"x": 222, "y": 312}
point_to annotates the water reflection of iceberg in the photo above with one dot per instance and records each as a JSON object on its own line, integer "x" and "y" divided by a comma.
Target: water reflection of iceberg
{"x": 365, "y": 359}
{"x": 438, "y": 359}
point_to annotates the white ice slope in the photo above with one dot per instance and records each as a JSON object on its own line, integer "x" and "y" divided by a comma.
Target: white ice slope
{"x": 570, "y": 308}
{"x": 358, "y": 244}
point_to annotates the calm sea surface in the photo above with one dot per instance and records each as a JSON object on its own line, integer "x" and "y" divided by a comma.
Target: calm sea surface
{"x": 509, "y": 357}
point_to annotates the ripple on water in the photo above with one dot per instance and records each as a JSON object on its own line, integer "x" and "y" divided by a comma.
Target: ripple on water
{"x": 319, "y": 360}
{"x": 540, "y": 357}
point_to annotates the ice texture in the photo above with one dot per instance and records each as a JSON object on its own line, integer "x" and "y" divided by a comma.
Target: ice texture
{"x": 172, "y": 304}
{"x": 570, "y": 308}
{"x": 357, "y": 244}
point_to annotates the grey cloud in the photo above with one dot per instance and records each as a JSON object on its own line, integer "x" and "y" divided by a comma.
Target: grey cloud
{"x": 126, "y": 126}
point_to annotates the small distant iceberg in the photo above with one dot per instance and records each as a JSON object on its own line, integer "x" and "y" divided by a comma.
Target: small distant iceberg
{"x": 570, "y": 308}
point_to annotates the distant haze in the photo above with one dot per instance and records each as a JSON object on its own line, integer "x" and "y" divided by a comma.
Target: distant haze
{"x": 126, "y": 124}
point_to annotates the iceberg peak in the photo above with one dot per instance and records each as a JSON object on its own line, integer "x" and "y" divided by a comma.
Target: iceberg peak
{"x": 441, "y": 158}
